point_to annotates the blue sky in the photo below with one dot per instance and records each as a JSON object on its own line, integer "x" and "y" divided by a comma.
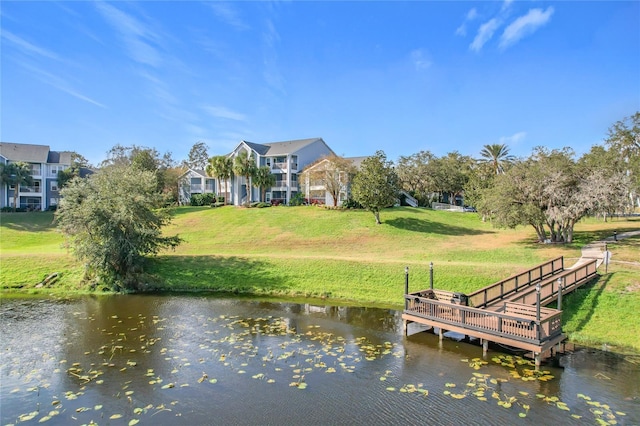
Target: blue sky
{"x": 364, "y": 75}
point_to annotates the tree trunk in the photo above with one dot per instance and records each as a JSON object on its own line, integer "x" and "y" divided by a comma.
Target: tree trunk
{"x": 16, "y": 197}
{"x": 248, "y": 184}
{"x": 376, "y": 213}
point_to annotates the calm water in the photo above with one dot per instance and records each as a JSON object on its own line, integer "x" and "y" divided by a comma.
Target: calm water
{"x": 165, "y": 360}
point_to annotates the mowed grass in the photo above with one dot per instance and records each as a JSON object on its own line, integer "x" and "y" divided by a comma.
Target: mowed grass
{"x": 344, "y": 257}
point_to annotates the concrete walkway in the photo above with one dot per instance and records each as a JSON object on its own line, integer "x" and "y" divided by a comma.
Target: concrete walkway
{"x": 596, "y": 249}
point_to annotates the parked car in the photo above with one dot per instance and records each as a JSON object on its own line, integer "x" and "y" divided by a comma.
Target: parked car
{"x": 469, "y": 209}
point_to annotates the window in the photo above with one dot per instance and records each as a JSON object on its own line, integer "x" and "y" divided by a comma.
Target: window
{"x": 53, "y": 201}
{"x": 54, "y": 185}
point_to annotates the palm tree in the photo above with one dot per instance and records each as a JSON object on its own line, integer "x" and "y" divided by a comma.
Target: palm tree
{"x": 17, "y": 174}
{"x": 497, "y": 155}
{"x": 245, "y": 165}
{"x": 263, "y": 179}
{"x": 226, "y": 174}
{"x": 220, "y": 167}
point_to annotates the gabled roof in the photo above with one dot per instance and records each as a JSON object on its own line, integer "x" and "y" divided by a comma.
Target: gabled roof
{"x": 259, "y": 148}
{"x": 62, "y": 157}
{"x": 201, "y": 173}
{"x": 24, "y": 152}
{"x": 357, "y": 161}
{"x": 289, "y": 147}
{"x": 280, "y": 148}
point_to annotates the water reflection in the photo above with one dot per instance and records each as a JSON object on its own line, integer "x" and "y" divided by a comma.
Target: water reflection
{"x": 204, "y": 360}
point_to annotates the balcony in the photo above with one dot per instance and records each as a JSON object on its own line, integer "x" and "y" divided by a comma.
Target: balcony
{"x": 282, "y": 186}
{"x": 31, "y": 189}
{"x": 283, "y": 166}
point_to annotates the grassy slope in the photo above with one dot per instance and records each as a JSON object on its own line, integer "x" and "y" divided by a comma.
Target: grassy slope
{"x": 343, "y": 255}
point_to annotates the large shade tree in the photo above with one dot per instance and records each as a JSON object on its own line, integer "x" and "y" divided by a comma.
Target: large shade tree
{"x": 375, "y": 186}
{"x": 198, "y": 158}
{"x": 450, "y": 174}
{"x": 551, "y": 192}
{"x": 78, "y": 162}
{"x": 112, "y": 222}
{"x": 417, "y": 176}
{"x": 143, "y": 158}
{"x": 332, "y": 173}
{"x": 624, "y": 140}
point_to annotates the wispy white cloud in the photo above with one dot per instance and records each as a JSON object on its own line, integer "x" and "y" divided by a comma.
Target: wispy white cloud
{"x": 420, "y": 59}
{"x": 525, "y": 25}
{"x": 471, "y": 15}
{"x": 514, "y": 139}
{"x": 485, "y": 32}
{"x": 223, "y": 112}
{"x": 60, "y": 84}
{"x": 228, "y": 14}
{"x": 27, "y": 47}
{"x": 271, "y": 72}
{"x": 506, "y": 4}
{"x": 137, "y": 37}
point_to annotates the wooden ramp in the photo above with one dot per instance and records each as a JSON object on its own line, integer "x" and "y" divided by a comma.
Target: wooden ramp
{"x": 511, "y": 312}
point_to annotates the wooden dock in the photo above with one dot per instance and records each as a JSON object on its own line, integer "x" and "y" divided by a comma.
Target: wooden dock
{"x": 511, "y": 312}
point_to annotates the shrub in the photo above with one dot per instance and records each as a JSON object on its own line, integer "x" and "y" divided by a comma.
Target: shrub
{"x": 297, "y": 199}
{"x": 202, "y": 199}
{"x": 350, "y": 203}
{"x": 260, "y": 205}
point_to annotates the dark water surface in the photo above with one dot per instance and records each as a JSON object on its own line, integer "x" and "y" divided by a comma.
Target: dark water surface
{"x": 172, "y": 360}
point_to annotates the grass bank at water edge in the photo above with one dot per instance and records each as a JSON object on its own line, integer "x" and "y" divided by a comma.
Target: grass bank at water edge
{"x": 344, "y": 257}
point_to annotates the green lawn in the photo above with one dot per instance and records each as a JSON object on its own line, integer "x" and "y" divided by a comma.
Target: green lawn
{"x": 344, "y": 256}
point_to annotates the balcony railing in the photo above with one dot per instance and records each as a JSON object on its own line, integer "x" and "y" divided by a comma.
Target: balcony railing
{"x": 283, "y": 166}
{"x": 30, "y": 189}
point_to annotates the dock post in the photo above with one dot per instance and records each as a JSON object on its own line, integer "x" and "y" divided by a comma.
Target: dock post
{"x": 440, "y": 333}
{"x": 536, "y": 357}
{"x": 485, "y": 347}
{"x": 538, "y": 311}
{"x": 406, "y": 287}
{"x": 431, "y": 275}
{"x": 405, "y": 327}
{"x": 560, "y": 287}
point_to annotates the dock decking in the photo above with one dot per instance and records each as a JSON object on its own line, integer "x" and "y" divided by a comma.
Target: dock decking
{"x": 511, "y": 312}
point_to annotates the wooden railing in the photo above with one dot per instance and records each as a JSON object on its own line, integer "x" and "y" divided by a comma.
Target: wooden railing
{"x": 515, "y": 283}
{"x": 549, "y": 288}
{"x": 517, "y": 322}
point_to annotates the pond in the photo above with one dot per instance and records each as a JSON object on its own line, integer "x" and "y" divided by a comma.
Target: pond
{"x": 187, "y": 359}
